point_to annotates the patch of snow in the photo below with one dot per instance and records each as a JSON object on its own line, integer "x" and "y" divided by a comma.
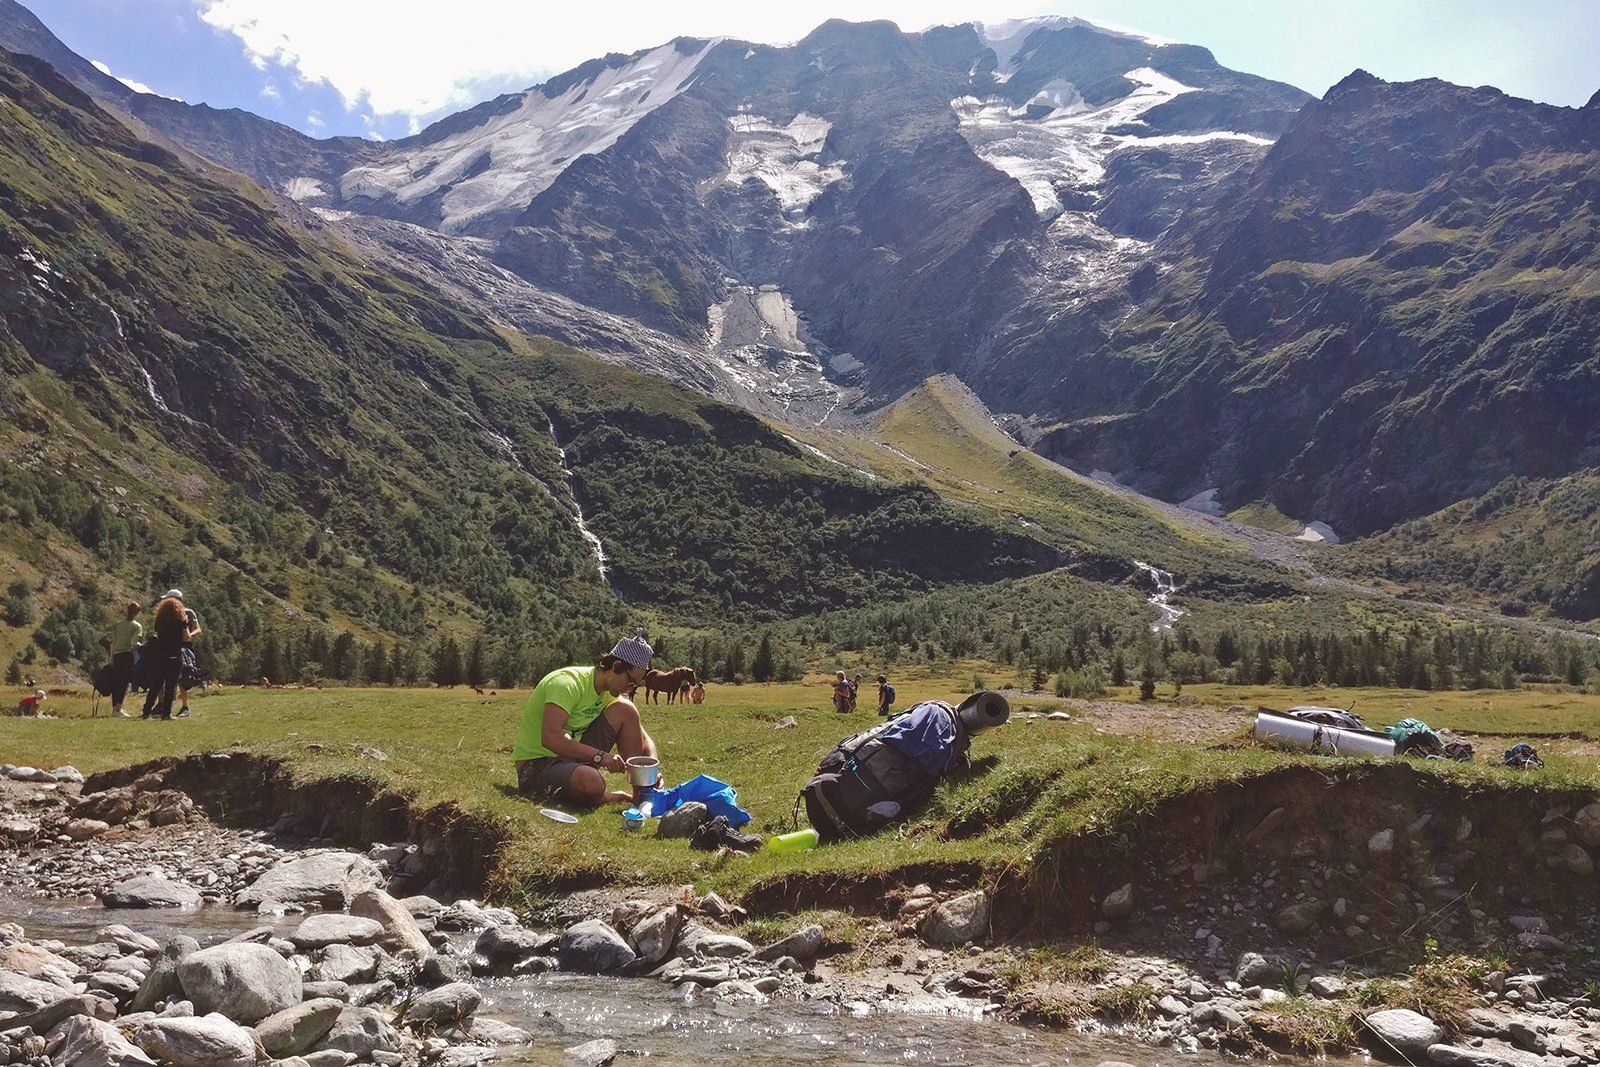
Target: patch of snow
{"x": 1204, "y": 502}
{"x": 1068, "y": 146}
{"x": 1008, "y": 39}
{"x": 518, "y": 155}
{"x": 783, "y": 158}
{"x": 304, "y": 188}
{"x": 38, "y": 268}
{"x": 756, "y": 338}
{"x": 328, "y": 214}
{"x": 1318, "y": 531}
{"x": 1195, "y": 138}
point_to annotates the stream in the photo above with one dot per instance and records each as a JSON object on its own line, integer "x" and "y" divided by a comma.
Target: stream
{"x": 670, "y": 1026}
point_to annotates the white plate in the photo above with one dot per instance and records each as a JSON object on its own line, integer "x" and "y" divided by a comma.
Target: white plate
{"x": 558, "y": 816}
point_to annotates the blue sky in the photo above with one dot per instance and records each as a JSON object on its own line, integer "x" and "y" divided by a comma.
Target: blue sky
{"x": 361, "y": 67}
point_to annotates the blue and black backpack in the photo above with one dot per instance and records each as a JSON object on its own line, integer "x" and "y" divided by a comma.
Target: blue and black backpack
{"x": 884, "y": 774}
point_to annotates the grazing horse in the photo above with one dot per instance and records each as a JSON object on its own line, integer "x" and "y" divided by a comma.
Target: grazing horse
{"x": 668, "y": 682}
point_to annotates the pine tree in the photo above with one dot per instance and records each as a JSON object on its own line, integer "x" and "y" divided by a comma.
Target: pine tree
{"x": 1119, "y": 668}
{"x": 447, "y": 663}
{"x": 477, "y": 667}
{"x": 761, "y": 668}
{"x": 1147, "y": 681}
{"x": 271, "y": 661}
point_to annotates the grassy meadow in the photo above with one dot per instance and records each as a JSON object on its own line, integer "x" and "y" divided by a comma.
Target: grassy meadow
{"x": 1035, "y": 781}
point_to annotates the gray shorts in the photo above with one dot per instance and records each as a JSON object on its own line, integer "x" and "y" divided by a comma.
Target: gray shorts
{"x": 551, "y": 776}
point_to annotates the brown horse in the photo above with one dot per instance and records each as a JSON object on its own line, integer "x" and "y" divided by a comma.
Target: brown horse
{"x": 668, "y": 682}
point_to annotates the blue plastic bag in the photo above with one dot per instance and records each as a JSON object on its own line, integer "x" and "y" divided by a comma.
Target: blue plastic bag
{"x": 718, "y": 797}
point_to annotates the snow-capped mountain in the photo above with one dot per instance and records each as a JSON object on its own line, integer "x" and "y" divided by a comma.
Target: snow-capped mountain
{"x": 802, "y": 228}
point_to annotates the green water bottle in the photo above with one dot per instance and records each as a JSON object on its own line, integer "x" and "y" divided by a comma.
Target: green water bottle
{"x": 798, "y": 841}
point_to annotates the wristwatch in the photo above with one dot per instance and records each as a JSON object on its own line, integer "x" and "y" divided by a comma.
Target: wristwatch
{"x": 598, "y": 757}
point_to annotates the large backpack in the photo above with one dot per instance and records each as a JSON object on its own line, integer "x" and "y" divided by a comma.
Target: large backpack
{"x": 873, "y": 778}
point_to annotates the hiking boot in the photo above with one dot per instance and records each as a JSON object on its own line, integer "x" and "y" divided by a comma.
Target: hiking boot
{"x": 183, "y": 712}
{"x": 120, "y": 714}
{"x": 717, "y": 833}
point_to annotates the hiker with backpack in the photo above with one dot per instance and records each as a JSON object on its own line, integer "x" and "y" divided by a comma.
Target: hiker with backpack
{"x": 123, "y": 637}
{"x": 843, "y": 697}
{"x": 889, "y": 772}
{"x": 573, "y": 720}
{"x": 885, "y": 697}
{"x": 162, "y": 658}
{"x": 189, "y": 672}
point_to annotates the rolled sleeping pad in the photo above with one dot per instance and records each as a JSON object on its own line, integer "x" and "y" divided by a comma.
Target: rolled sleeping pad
{"x": 1288, "y": 732}
{"x": 982, "y": 711}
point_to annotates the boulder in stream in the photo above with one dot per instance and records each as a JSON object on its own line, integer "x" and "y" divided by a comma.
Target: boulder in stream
{"x": 245, "y": 982}
{"x": 211, "y": 1040}
{"x": 592, "y": 947}
{"x": 325, "y": 879}
{"x": 150, "y": 891}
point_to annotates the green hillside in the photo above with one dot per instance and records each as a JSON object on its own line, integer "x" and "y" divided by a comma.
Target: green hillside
{"x": 195, "y": 392}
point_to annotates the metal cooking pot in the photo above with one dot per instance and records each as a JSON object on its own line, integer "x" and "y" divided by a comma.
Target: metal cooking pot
{"x": 644, "y": 771}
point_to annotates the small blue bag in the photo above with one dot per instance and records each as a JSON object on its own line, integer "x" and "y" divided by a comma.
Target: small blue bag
{"x": 718, "y": 797}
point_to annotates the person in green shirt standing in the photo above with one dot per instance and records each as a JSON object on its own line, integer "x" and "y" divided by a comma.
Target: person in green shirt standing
{"x": 574, "y": 719}
{"x": 122, "y": 638}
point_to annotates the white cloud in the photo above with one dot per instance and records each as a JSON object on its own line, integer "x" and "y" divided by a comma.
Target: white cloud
{"x": 136, "y": 86}
{"x": 269, "y": 91}
{"x": 314, "y": 122}
{"x": 407, "y": 59}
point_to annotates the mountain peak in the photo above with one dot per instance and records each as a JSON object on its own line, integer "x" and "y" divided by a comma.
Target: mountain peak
{"x": 1356, "y": 79}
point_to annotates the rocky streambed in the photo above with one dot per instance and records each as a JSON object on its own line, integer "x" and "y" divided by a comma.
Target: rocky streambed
{"x": 134, "y": 930}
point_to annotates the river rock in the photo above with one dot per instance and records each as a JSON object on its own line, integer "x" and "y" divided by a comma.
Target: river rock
{"x": 462, "y": 915}
{"x": 211, "y": 1040}
{"x": 83, "y": 829}
{"x": 129, "y": 940}
{"x": 1328, "y": 987}
{"x": 1299, "y": 917}
{"x": 1255, "y": 969}
{"x": 1586, "y": 825}
{"x": 1457, "y": 1056}
{"x": 506, "y": 946}
{"x": 245, "y": 982}
{"x": 1118, "y": 903}
{"x": 400, "y": 930}
{"x": 325, "y": 990}
{"x": 20, "y": 993}
{"x": 327, "y": 879}
{"x": 36, "y": 961}
{"x": 956, "y": 921}
{"x": 653, "y": 938}
{"x": 30, "y": 774}
{"x": 86, "y": 1042}
{"x": 445, "y": 1006}
{"x": 294, "y": 1030}
{"x": 328, "y": 1057}
{"x": 698, "y": 940}
{"x": 361, "y": 1032}
{"x": 494, "y": 1032}
{"x": 439, "y": 969}
{"x": 1401, "y": 1033}
{"x": 162, "y": 981}
{"x": 150, "y": 891}
{"x": 331, "y": 928}
{"x": 1380, "y": 843}
{"x": 683, "y": 820}
{"x": 346, "y": 963}
{"x": 598, "y": 1053}
{"x": 1572, "y": 857}
{"x": 592, "y": 947}
{"x": 803, "y": 945}
{"x": 18, "y": 829}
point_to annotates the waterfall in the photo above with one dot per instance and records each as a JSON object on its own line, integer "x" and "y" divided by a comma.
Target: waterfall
{"x": 577, "y": 509}
{"x": 1161, "y": 599}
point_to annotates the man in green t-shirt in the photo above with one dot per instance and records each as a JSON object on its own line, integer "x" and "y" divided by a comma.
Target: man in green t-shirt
{"x": 574, "y": 719}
